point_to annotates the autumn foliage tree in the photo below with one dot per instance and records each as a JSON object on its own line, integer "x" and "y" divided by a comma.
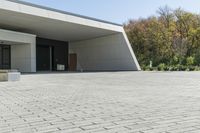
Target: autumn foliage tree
{"x": 171, "y": 38}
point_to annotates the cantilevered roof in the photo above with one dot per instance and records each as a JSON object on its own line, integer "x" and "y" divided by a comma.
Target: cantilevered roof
{"x": 52, "y": 23}
{"x": 61, "y": 11}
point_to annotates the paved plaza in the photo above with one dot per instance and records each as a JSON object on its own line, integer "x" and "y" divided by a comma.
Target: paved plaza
{"x": 107, "y": 102}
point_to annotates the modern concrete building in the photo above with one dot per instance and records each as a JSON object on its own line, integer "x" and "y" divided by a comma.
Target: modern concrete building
{"x": 36, "y": 38}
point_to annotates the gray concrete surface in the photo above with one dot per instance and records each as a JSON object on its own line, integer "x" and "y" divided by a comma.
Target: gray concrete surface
{"x": 113, "y": 102}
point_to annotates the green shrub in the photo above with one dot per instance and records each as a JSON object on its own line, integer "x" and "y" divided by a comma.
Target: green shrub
{"x": 175, "y": 60}
{"x": 174, "y": 68}
{"x": 161, "y": 67}
{"x": 197, "y": 68}
{"x": 170, "y": 68}
{"x": 191, "y": 68}
{"x": 178, "y": 67}
{"x": 167, "y": 68}
{"x": 148, "y": 68}
{"x": 145, "y": 68}
{"x": 182, "y": 68}
{"x": 151, "y": 69}
{"x": 190, "y": 61}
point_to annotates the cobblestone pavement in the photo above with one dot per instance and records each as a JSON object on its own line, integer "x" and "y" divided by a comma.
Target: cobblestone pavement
{"x": 112, "y": 102}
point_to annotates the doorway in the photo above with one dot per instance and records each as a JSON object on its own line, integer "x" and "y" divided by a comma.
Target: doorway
{"x": 44, "y": 58}
{"x": 72, "y": 62}
{"x": 5, "y": 57}
{"x": 50, "y": 54}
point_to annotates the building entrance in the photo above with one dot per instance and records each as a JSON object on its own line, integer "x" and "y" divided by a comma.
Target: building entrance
{"x": 5, "y": 57}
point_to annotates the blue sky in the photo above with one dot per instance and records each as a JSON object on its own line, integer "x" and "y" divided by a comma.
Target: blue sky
{"x": 118, "y": 11}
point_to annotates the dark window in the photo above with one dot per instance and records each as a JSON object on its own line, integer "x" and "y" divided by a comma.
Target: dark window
{"x": 5, "y": 56}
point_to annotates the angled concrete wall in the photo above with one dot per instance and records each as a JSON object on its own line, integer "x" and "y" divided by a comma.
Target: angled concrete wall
{"x": 23, "y": 50}
{"x": 111, "y": 52}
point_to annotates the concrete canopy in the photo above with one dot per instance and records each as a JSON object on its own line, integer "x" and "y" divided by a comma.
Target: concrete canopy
{"x": 58, "y": 25}
{"x": 49, "y": 24}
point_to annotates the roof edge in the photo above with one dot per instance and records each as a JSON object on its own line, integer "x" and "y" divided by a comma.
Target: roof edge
{"x": 61, "y": 11}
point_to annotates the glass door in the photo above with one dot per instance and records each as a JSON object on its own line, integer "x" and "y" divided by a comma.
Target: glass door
{"x": 5, "y": 55}
{"x": 43, "y": 58}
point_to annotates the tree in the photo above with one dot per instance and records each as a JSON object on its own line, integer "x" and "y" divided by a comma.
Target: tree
{"x": 171, "y": 34}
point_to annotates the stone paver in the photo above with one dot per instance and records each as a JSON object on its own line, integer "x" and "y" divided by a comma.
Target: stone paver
{"x": 110, "y": 102}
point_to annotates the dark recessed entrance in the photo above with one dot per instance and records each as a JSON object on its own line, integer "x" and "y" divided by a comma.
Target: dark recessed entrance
{"x": 5, "y": 57}
{"x": 43, "y": 58}
{"x": 51, "y": 55}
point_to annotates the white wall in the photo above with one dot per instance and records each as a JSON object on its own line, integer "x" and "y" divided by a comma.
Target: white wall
{"x": 21, "y": 58}
{"x": 23, "y": 50}
{"x": 111, "y": 52}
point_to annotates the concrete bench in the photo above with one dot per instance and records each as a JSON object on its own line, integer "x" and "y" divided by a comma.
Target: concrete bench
{"x": 9, "y": 75}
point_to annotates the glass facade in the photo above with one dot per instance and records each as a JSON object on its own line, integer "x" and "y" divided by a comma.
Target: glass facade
{"x": 50, "y": 54}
